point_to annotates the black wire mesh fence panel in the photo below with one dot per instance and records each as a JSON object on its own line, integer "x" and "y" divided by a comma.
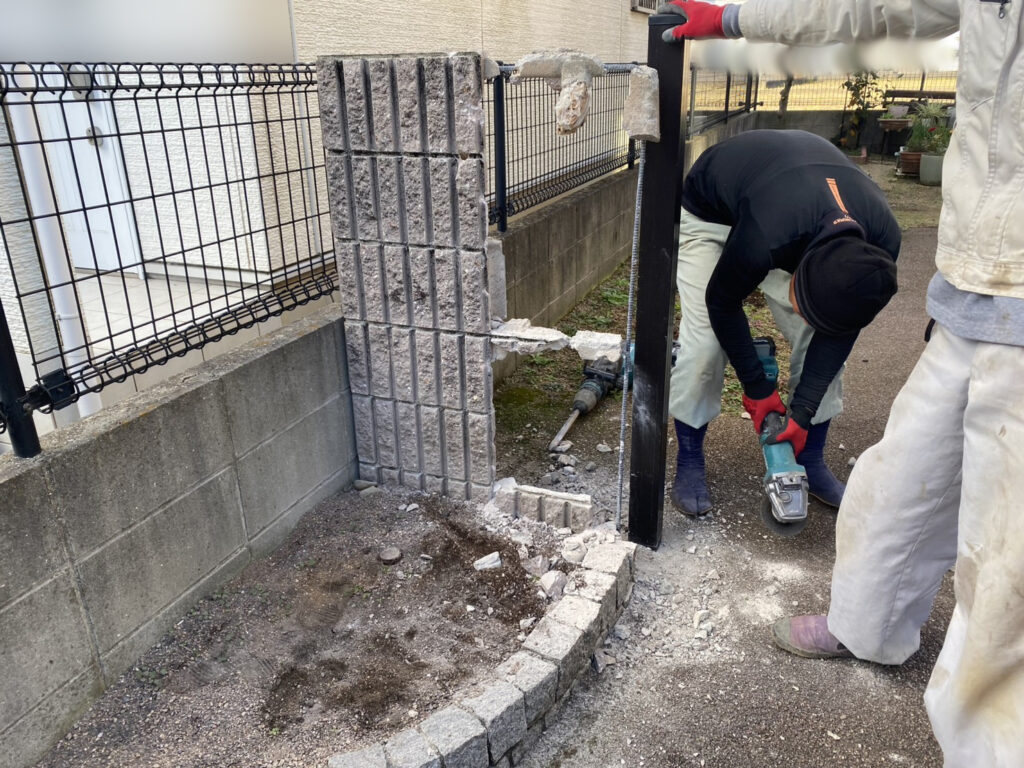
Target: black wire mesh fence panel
{"x": 715, "y": 96}
{"x": 149, "y": 210}
{"x": 539, "y": 163}
{"x": 828, "y": 93}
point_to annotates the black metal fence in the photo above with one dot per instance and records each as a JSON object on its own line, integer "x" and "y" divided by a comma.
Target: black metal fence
{"x": 779, "y": 92}
{"x": 149, "y": 210}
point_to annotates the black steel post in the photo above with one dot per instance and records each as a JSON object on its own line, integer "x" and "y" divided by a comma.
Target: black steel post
{"x": 656, "y": 282}
{"x": 500, "y": 193}
{"x": 750, "y": 88}
{"x": 20, "y": 426}
{"x": 631, "y": 154}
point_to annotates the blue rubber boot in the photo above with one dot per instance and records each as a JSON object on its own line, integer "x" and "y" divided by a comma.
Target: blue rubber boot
{"x": 822, "y": 484}
{"x": 690, "y": 489}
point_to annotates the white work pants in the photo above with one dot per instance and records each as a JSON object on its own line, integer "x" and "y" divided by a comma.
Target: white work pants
{"x": 945, "y": 484}
{"x": 695, "y": 394}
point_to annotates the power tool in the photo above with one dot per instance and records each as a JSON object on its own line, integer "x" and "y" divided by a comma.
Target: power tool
{"x": 784, "y": 507}
{"x": 599, "y": 377}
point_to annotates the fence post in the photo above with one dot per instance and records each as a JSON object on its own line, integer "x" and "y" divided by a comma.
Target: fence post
{"x": 500, "y": 192}
{"x": 631, "y": 154}
{"x": 747, "y": 107}
{"x": 728, "y": 91}
{"x": 659, "y": 248}
{"x": 20, "y": 426}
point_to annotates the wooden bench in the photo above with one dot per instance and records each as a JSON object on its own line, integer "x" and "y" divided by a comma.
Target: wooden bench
{"x": 916, "y": 94}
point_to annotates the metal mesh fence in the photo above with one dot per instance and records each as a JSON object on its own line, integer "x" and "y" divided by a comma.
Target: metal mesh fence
{"x": 828, "y": 93}
{"x": 154, "y": 209}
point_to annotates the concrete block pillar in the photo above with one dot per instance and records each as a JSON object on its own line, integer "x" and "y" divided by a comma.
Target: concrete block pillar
{"x": 405, "y": 178}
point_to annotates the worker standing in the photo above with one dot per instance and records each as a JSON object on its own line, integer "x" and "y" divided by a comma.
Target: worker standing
{"x": 787, "y": 212}
{"x": 943, "y": 485}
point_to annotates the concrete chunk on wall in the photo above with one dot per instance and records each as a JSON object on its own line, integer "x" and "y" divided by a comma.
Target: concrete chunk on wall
{"x": 405, "y": 179}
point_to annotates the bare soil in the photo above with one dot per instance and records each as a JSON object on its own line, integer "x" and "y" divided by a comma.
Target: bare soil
{"x": 320, "y": 647}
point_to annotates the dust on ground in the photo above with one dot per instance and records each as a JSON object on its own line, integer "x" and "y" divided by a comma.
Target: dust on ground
{"x": 320, "y": 647}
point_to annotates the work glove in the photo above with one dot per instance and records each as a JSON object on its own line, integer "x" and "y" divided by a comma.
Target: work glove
{"x": 758, "y": 409}
{"x": 702, "y": 20}
{"x": 792, "y": 433}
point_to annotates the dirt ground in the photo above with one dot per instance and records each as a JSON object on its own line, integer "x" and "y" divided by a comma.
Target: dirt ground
{"x": 321, "y": 647}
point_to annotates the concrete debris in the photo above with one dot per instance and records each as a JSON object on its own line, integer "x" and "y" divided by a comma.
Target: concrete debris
{"x": 641, "y": 119}
{"x": 622, "y": 632}
{"x": 564, "y": 447}
{"x": 412, "y": 507}
{"x": 390, "y": 555}
{"x": 573, "y": 551}
{"x": 601, "y": 660}
{"x": 589, "y": 466}
{"x": 852, "y": 461}
{"x": 536, "y": 566}
{"x": 745, "y": 415}
{"x": 373, "y": 490}
{"x": 591, "y": 345}
{"x": 570, "y": 73}
{"x": 602, "y": 448}
{"x": 553, "y": 583}
{"x": 362, "y": 485}
{"x": 526, "y": 623}
{"x": 521, "y": 336}
{"x": 488, "y": 562}
{"x": 566, "y": 460}
{"x": 490, "y": 68}
{"x": 699, "y": 617}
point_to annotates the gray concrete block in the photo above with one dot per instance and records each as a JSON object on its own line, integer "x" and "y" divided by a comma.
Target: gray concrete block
{"x": 39, "y": 656}
{"x": 364, "y": 194}
{"x": 370, "y": 757}
{"x": 380, "y": 361}
{"x": 306, "y": 368}
{"x": 414, "y": 180}
{"x": 147, "y": 568}
{"x": 195, "y": 443}
{"x": 413, "y": 480}
{"x": 329, "y": 93}
{"x": 372, "y": 282}
{"x": 562, "y": 645}
{"x": 27, "y": 739}
{"x": 496, "y": 285}
{"x": 356, "y": 112}
{"x": 409, "y": 749}
{"x": 435, "y": 485}
{"x": 476, "y": 316}
{"x": 479, "y": 494}
{"x": 580, "y": 515}
{"x": 365, "y": 429}
{"x": 442, "y": 203}
{"x": 553, "y": 510}
{"x": 447, "y": 279}
{"x": 408, "y": 437}
{"x": 369, "y": 472}
{"x": 459, "y": 489}
{"x": 396, "y": 287}
{"x": 505, "y": 762}
{"x": 528, "y": 505}
{"x": 613, "y": 559}
{"x": 455, "y": 445}
{"x": 387, "y": 436}
{"x": 436, "y": 78}
{"x": 467, "y": 80}
{"x": 580, "y": 614}
{"x": 422, "y": 294}
{"x": 451, "y": 371}
{"x": 273, "y": 476}
{"x": 500, "y": 708}
{"x": 385, "y": 127}
{"x": 339, "y": 193}
{"x": 469, "y": 182}
{"x": 552, "y": 716}
{"x": 481, "y": 444}
{"x": 535, "y": 677}
{"x": 390, "y": 199}
{"x": 432, "y": 438}
{"x": 356, "y": 354}
{"x": 30, "y": 537}
{"x": 428, "y": 372}
{"x": 523, "y": 748}
{"x": 458, "y": 736}
{"x": 350, "y": 284}
{"x": 407, "y": 75}
{"x": 391, "y": 478}
{"x": 599, "y": 587}
{"x": 403, "y": 364}
{"x": 505, "y": 501}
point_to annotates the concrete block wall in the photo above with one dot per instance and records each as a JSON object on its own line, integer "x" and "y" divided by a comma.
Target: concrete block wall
{"x": 128, "y": 517}
{"x": 405, "y": 174}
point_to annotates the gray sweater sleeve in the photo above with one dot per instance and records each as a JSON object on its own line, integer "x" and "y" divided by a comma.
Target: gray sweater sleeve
{"x": 731, "y": 21}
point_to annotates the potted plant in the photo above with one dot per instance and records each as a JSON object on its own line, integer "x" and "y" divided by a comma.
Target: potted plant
{"x": 930, "y": 172}
{"x": 895, "y": 118}
{"x": 926, "y": 117}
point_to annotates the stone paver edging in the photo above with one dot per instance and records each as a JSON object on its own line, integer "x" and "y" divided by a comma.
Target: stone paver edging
{"x": 498, "y": 725}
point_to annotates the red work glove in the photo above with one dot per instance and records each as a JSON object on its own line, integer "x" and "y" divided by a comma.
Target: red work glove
{"x": 703, "y": 20}
{"x": 758, "y": 409}
{"x": 794, "y": 434}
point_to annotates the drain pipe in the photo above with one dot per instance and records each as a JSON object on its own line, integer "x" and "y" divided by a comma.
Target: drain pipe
{"x": 40, "y": 198}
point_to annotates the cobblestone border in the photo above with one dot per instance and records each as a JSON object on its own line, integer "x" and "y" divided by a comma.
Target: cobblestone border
{"x": 499, "y": 725}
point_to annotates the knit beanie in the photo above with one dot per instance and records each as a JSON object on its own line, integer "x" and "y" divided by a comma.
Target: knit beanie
{"x": 842, "y": 283}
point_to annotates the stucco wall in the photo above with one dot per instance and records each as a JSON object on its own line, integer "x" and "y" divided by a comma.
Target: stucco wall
{"x": 503, "y": 29}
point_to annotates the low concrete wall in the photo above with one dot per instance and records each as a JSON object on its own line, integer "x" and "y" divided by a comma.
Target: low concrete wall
{"x": 130, "y": 516}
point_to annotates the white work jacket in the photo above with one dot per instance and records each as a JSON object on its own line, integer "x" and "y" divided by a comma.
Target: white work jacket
{"x": 981, "y": 228}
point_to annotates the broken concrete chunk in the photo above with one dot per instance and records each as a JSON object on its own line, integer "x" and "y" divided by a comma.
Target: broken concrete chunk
{"x": 362, "y": 485}
{"x": 488, "y": 562}
{"x": 553, "y": 583}
{"x": 640, "y": 117}
{"x": 570, "y": 73}
{"x": 390, "y": 555}
{"x": 591, "y": 345}
{"x": 536, "y": 566}
{"x": 521, "y": 336}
